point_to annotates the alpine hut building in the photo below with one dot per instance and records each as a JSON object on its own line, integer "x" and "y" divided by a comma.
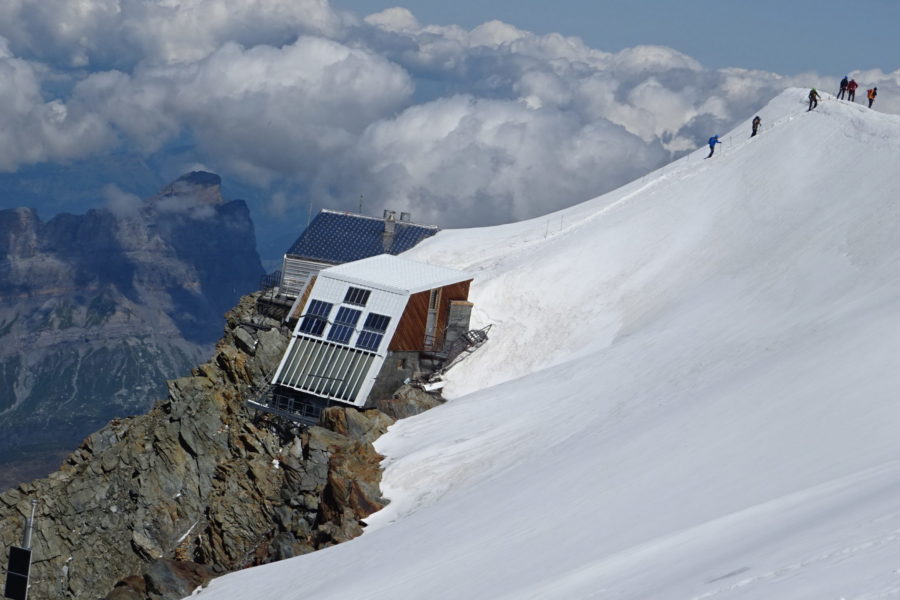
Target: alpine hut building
{"x": 366, "y": 327}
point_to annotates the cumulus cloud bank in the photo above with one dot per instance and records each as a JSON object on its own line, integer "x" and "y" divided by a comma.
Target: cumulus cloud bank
{"x": 460, "y": 126}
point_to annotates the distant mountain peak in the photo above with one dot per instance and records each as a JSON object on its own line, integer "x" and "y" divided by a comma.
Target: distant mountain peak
{"x": 194, "y": 188}
{"x": 202, "y": 178}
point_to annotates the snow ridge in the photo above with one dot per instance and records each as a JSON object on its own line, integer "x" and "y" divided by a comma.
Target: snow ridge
{"x": 690, "y": 392}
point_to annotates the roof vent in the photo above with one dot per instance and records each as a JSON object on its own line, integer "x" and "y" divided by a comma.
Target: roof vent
{"x": 387, "y": 236}
{"x": 405, "y": 217}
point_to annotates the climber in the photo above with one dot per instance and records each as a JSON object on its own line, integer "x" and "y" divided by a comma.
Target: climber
{"x": 843, "y": 91}
{"x": 851, "y": 90}
{"x": 712, "y": 144}
{"x": 871, "y": 95}
{"x": 813, "y": 99}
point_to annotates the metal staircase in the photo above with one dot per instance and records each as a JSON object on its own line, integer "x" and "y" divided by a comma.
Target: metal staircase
{"x": 465, "y": 345}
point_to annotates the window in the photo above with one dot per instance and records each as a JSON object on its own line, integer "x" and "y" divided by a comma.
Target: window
{"x": 344, "y": 324}
{"x": 376, "y": 322}
{"x": 316, "y": 317}
{"x": 373, "y": 330}
{"x": 357, "y": 296}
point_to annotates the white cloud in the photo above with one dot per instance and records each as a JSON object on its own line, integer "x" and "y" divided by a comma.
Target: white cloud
{"x": 119, "y": 202}
{"x": 394, "y": 19}
{"x": 104, "y": 33}
{"x": 487, "y": 125}
{"x": 261, "y": 111}
{"x": 460, "y": 159}
{"x": 34, "y": 130}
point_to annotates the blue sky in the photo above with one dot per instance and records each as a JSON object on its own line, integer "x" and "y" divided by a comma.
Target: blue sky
{"x": 785, "y": 36}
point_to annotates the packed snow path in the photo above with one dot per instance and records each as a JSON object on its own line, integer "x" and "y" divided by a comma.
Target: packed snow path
{"x": 691, "y": 391}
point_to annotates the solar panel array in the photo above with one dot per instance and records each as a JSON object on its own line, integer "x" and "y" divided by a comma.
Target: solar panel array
{"x": 316, "y": 317}
{"x": 373, "y": 330}
{"x": 344, "y": 324}
{"x": 342, "y": 237}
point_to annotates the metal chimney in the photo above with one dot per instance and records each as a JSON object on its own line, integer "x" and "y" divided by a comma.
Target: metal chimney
{"x": 405, "y": 217}
{"x": 387, "y": 237}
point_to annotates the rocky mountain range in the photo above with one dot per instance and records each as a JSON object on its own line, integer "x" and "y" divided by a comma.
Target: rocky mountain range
{"x": 98, "y": 310}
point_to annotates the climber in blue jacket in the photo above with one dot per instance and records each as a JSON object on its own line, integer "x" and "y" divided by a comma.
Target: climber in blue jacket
{"x": 712, "y": 144}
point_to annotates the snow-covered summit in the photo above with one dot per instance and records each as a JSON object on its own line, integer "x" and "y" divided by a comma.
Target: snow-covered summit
{"x": 690, "y": 391}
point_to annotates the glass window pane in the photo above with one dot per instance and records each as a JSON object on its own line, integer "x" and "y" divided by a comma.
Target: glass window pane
{"x": 376, "y": 322}
{"x": 357, "y": 296}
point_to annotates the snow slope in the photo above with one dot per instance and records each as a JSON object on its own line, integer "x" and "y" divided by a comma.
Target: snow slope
{"x": 690, "y": 392}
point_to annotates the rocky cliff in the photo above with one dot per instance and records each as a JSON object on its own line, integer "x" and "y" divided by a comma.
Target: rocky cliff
{"x": 150, "y": 507}
{"x": 98, "y": 310}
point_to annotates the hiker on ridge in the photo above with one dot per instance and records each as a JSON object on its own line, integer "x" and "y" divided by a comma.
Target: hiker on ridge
{"x": 813, "y": 99}
{"x": 871, "y": 95}
{"x": 712, "y": 144}
{"x": 756, "y": 123}
{"x": 843, "y": 91}
{"x": 851, "y": 90}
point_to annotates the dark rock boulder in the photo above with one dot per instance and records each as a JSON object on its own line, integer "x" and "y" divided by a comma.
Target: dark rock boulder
{"x": 408, "y": 401}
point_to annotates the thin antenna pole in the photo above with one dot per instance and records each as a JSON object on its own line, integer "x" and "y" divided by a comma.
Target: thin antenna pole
{"x": 360, "y": 203}
{"x": 308, "y": 213}
{"x": 29, "y": 525}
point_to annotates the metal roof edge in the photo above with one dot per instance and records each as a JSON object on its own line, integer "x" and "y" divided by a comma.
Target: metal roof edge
{"x": 365, "y": 282}
{"x": 395, "y": 290}
{"x": 370, "y": 217}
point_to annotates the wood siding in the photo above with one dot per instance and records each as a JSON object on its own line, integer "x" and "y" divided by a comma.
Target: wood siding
{"x": 301, "y": 302}
{"x": 410, "y": 333}
{"x": 457, "y": 291}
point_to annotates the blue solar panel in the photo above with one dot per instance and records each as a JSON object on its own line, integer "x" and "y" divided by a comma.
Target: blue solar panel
{"x": 347, "y": 316}
{"x": 373, "y": 330}
{"x": 368, "y": 340}
{"x": 342, "y": 237}
{"x": 344, "y": 324}
{"x": 315, "y": 318}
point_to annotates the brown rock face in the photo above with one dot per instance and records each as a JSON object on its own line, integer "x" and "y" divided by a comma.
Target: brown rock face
{"x": 198, "y": 480}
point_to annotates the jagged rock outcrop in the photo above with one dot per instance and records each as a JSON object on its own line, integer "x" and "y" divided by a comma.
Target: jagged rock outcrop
{"x": 152, "y": 505}
{"x": 98, "y": 310}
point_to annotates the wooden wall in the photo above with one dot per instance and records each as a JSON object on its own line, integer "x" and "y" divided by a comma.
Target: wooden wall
{"x": 410, "y": 333}
{"x": 457, "y": 291}
{"x": 305, "y": 296}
